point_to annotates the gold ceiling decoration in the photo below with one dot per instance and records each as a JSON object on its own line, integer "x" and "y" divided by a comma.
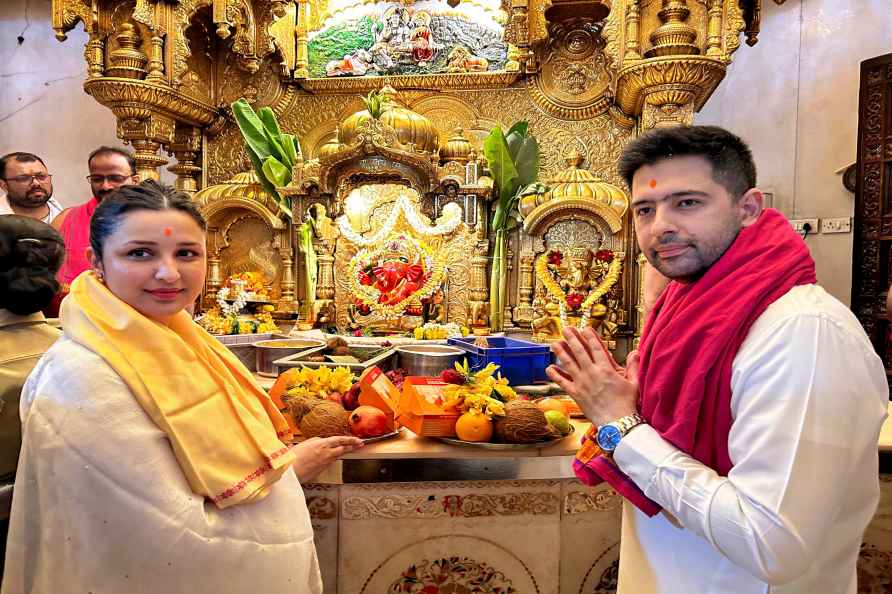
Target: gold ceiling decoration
{"x": 587, "y": 75}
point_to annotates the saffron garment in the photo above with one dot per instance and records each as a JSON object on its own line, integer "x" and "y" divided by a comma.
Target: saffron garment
{"x": 75, "y": 231}
{"x": 809, "y": 396}
{"x": 223, "y": 427}
{"x": 102, "y": 505}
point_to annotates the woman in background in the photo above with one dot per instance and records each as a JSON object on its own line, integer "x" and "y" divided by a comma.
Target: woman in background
{"x": 31, "y": 253}
{"x": 151, "y": 459}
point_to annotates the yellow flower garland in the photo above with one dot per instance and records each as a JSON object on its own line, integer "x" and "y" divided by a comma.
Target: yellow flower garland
{"x": 613, "y": 272}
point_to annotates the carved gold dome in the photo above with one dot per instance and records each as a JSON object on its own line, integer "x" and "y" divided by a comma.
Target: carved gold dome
{"x": 458, "y": 148}
{"x": 411, "y": 128}
{"x": 577, "y": 184}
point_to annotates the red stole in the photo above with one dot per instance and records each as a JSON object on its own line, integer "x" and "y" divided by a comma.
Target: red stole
{"x": 691, "y": 338}
{"x": 75, "y": 231}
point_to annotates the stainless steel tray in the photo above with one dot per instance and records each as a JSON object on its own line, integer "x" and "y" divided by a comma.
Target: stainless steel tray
{"x": 382, "y": 360}
{"x": 391, "y": 435}
{"x": 486, "y": 445}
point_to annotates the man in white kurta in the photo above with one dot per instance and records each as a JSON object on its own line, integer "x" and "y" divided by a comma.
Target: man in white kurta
{"x": 101, "y": 504}
{"x": 809, "y": 397}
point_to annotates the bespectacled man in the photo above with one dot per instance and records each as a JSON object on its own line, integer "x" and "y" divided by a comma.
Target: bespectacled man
{"x": 28, "y": 187}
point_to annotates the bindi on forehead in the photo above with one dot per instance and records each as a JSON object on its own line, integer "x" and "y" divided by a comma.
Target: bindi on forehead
{"x": 652, "y": 184}
{"x": 167, "y": 231}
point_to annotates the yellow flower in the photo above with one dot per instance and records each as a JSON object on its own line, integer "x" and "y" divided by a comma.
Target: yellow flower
{"x": 268, "y": 307}
{"x": 495, "y": 407}
{"x": 418, "y": 333}
{"x": 505, "y": 392}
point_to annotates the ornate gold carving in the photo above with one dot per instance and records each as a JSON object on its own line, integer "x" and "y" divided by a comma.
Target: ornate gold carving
{"x": 456, "y": 80}
{"x": 574, "y": 79}
{"x": 186, "y": 147}
{"x": 695, "y": 76}
{"x": 149, "y": 97}
{"x": 675, "y": 37}
{"x": 127, "y": 61}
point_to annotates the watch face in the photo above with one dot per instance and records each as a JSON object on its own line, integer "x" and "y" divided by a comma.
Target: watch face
{"x": 608, "y": 437}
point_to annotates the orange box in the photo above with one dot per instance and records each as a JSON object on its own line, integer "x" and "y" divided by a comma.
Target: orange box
{"x": 376, "y": 389}
{"x": 421, "y": 410}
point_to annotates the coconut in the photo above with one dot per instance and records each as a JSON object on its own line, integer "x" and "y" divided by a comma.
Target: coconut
{"x": 523, "y": 423}
{"x": 298, "y": 406}
{"x": 325, "y": 419}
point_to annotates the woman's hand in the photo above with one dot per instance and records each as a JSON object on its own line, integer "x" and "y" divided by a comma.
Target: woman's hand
{"x": 315, "y": 454}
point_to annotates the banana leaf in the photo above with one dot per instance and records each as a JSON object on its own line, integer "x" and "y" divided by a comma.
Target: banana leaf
{"x": 268, "y": 117}
{"x": 515, "y": 136}
{"x": 496, "y": 309}
{"x": 268, "y": 187}
{"x": 252, "y": 129}
{"x": 276, "y": 172}
{"x": 526, "y": 161}
{"x": 305, "y": 243}
{"x": 292, "y": 149}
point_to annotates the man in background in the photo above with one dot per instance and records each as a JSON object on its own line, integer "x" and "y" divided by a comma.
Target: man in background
{"x": 28, "y": 187}
{"x": 110, "y": 168}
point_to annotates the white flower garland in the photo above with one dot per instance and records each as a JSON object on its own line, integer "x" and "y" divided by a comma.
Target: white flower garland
{"x": 583, "y": 321}
{"x": 231, "y": 309}
{"x": 403, "y": 204}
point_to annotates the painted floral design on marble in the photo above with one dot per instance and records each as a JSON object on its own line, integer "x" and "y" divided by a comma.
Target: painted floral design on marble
{"x": 453, "y": 575}
{"x": 396, "y": 507}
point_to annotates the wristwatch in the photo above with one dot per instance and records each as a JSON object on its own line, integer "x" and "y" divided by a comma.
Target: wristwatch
{"x": 610, "y": 434}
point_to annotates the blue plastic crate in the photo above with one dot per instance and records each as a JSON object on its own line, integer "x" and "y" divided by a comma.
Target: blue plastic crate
{"x": 521, "y": 361}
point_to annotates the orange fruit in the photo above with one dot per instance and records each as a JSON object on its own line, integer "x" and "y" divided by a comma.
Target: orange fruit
{"x": 473, "y": 427}
{"x": 283, "y": 383}
{"x": 546, "y": 404}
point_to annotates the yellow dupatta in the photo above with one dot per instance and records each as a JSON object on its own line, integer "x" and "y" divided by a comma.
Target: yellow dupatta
{"x": 225, "y": 431}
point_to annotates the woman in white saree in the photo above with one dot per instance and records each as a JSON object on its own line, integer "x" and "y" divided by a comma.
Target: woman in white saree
{"x": 151, "y": 460}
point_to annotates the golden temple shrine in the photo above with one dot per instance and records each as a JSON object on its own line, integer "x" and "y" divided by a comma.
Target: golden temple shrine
{"x": 379, "y": 176}
{"x": 409, "y": 191}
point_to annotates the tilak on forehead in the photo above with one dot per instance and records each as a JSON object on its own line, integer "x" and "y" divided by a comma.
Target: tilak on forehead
{"x": 653, "y": 183}
{"x": 168, "y": 231}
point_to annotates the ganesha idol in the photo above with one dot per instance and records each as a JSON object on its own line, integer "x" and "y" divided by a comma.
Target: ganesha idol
{"x": 396, "y": 278}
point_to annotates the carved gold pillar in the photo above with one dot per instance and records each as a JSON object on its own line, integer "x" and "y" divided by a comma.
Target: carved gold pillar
{"x": 156, "y": 58}
{"x": 714, "y": 28}
{"x": 186, "y": 148}
{"x": 94, "y": 52}
{"x": 127, "y": 61}
{"x": 214, "y": 280}
{"x": 641, "y": 316}
{"x": 325, "y": 288}
{"x": 523, "y": 312}
{"x": 302, "y": 64}
{"x": 146, "y": 136}
{"x": 675, "y": 37}
{"x": 520, "y": 27}
{"x": 633, "y": 24}
{"x": 287, "y": 301}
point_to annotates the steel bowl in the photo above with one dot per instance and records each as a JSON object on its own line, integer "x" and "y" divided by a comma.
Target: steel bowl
{"x": 427, "y": 360}
{"x": 268, "y": 351}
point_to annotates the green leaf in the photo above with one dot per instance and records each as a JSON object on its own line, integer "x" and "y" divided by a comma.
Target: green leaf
{"x": 276, "y": 149}
{"x": 515, "y": 137}
{"x": 277, "y": 173}
{"x": 501, "y": 165}
{"x": 268, "y": 117}
{"x": 527, "y": 161}
{"x": 289, "y": 143}
{"x": 268, "y": 187}
{"x": 252, "y": 128}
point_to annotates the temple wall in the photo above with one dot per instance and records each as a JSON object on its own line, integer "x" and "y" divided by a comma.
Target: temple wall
{"x": 43, "y": 107}
{"x": 794, "y": 98}
{"x": 799, "y": 86}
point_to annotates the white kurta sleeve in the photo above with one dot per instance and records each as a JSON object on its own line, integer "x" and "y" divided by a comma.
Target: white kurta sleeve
{"x": 809, "y": 398}
{"x": 101, "y": 505}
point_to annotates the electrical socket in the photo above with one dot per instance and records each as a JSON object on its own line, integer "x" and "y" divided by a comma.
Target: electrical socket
{"x": 838, "y": 225}
{"x": 799, "y": 226}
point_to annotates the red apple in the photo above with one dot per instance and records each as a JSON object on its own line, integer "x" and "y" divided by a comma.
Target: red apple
{"x": 368, "y": 421}
{"x": 350, "y": 401}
